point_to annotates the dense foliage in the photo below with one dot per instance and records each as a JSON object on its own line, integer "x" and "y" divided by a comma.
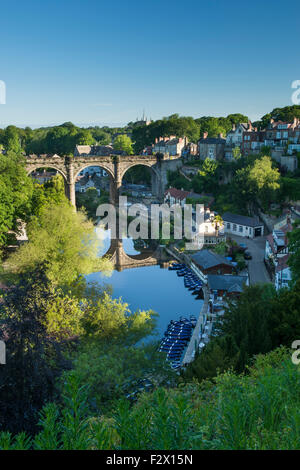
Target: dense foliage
{"x": 74, "y": 354}
{"x": 34, "y": 358}
{"x": 64, "y": 241}
{"x": 294, "y": 249}
{"x": 258, "y": 322}
{"x": 259, "y": 411}
{"x": 16, "y": 191}
{"x": 182, "y": 126}
{"x": 236, "y": 186}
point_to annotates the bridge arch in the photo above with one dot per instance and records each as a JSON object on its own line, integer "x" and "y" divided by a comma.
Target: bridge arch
{"x": 43, "y": 165}
{"x": 148, "y": 165}
{"x": 91, "y": 164}
{"x": 155, "y": 176}
{"x": 109, "y": 171}
{"x": 122, "y": 260}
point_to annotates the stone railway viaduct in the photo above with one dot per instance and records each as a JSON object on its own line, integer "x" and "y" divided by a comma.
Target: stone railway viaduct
{"x": 115, "y": 166}
{"x": 121, "y": 260}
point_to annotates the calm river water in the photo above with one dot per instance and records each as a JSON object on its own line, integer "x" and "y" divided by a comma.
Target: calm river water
{"x": 150, "y": 287}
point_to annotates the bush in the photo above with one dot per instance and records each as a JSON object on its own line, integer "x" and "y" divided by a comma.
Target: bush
{"x": 259, "y": 411}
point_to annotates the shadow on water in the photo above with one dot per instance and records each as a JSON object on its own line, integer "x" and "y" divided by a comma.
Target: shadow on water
{"x": 150, "y": 287}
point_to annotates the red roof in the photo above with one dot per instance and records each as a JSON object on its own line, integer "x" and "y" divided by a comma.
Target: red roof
{"x": 177, "y": 193}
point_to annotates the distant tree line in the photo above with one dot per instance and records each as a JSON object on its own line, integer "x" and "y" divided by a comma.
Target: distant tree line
{"x": 62, "y": 139}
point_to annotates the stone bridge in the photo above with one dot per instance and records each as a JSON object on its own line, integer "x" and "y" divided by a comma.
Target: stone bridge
{"x": 122, "y": 260}
{"x": 115, "y": 166}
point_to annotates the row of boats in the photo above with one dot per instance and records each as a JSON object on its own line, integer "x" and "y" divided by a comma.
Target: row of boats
{"x": 191, "y": 281}
{"x": 176, "y": 338}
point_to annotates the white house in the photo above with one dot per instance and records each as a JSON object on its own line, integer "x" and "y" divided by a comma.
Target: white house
{"x": 234, "y": 138}
{"x": 242, "y": 226}
{"x": 176, "y": 196}
{"x": 283, "y": 275}
{"x": 209, "y": 232}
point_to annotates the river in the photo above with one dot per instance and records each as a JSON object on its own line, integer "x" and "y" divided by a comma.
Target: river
{"x": 150, "y": 287}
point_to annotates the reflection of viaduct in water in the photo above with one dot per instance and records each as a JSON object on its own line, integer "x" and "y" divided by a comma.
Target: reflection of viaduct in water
{"x": 122, "y": 260}
{"x": 115, "y": 166}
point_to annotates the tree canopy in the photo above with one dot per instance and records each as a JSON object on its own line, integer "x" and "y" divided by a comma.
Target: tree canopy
{"x": 124, "y": 143}
{"x": 64, "y": 241}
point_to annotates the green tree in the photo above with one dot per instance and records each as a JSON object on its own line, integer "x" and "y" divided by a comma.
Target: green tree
{"x": 294, "y": 250}
{"x": 51, "y": 192}
{"x": 12, "y": 140}
{"x": 15, "y": 193}
{"x": 124, "y": 143}
{"x": 265, "y": 179}
{"x": 284, "y": 320}
{"x": 63, "y": 240}
{"x": 34, "y": 359}
{"x": 207, "y": 176}
{"x": 258, "y": 411}
{"x": 84, "y": 137}
{"x": 236, "y": 152}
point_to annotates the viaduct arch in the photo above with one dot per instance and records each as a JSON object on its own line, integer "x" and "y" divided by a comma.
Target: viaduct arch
{"x": 115, "y": 165}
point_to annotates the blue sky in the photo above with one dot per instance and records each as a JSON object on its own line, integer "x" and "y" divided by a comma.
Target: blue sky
{"x": 95, "y": 62}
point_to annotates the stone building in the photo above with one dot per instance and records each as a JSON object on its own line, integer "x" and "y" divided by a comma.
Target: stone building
{"x": 211, "y": 147}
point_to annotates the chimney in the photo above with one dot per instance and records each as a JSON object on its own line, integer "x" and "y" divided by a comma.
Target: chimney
{"x": 233, "y": 127}
{"x": 205, "y": 135}
{"x": 249, "y": 126}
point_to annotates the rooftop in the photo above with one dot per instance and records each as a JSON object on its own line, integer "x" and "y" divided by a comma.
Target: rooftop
{"x": 97, "y": 150}
{"x": 241, "y": 219}
{"x": 227, "y": 282}
{"x": 207, "y": 259}
{"x": 177, "y": 193}
{"x": 212, "y": 140}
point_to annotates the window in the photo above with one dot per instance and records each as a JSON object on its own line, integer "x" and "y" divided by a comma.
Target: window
{"x": 240, "y": 228}
{"x": 228, "y": 225}
{"x": 234, "y": 227}
{"x": 250, "y": 231}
